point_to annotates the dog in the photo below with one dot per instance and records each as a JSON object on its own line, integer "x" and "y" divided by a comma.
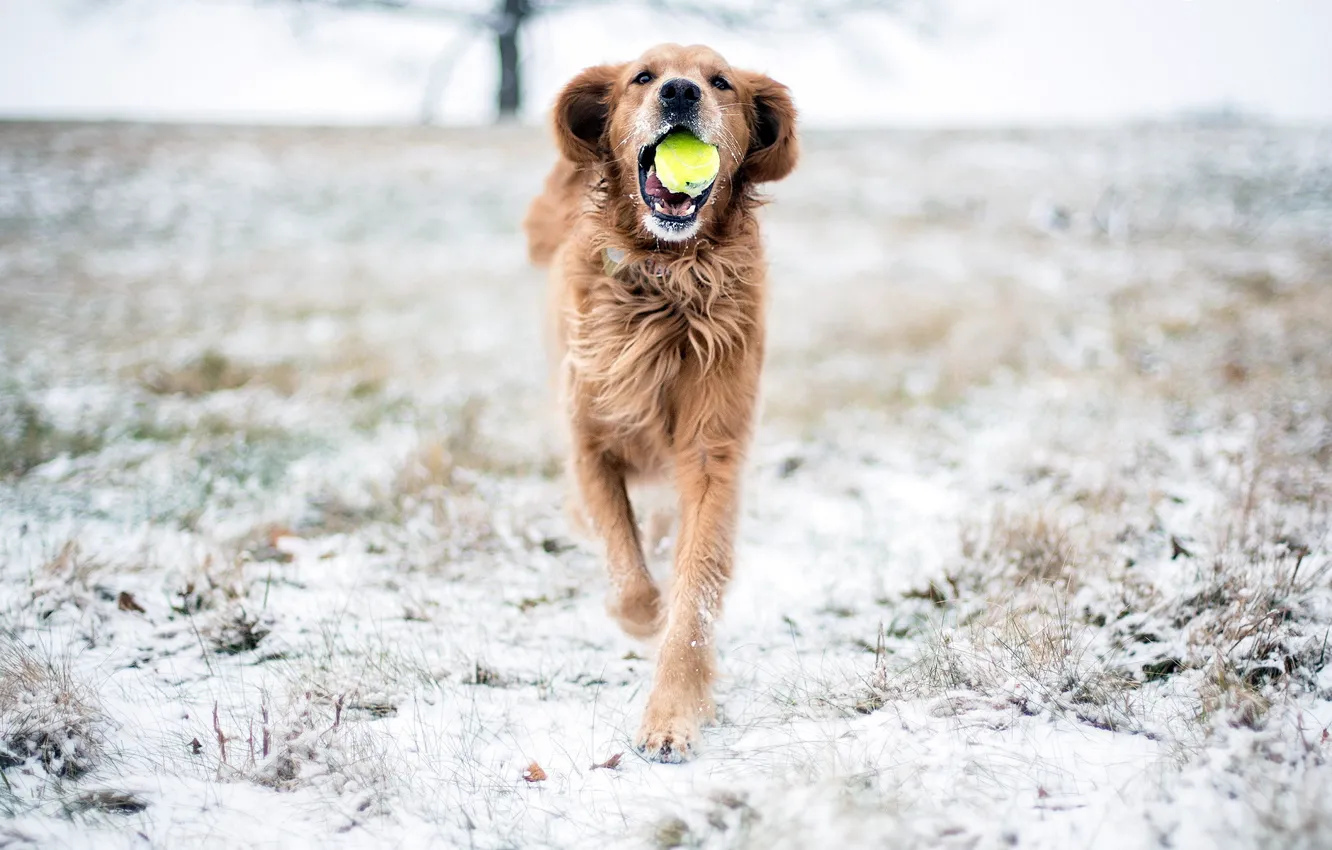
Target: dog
{"x": 658, "y": 327}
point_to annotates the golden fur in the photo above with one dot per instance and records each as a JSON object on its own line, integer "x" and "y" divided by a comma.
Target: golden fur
{"x": 661, "y": 341}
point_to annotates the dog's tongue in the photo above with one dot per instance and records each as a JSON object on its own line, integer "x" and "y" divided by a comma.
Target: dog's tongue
{"x": 672, "y": 203}
{"x": 657, "y": 190}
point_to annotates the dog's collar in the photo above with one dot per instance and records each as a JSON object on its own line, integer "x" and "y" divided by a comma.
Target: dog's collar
{"x": 613, "y": 262}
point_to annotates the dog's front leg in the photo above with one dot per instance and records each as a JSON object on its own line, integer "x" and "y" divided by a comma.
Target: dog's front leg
{"x": 634, "y": 600}
{"x": 706, "y": 473}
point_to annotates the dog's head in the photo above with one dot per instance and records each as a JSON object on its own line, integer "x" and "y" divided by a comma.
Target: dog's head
{"x": 614, "y": 116}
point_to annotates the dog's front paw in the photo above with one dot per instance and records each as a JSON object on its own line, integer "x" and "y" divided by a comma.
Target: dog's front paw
{"x": 670, "y": 730}
{"x": 671, "y": 741}
{"x": 637, "y": 609}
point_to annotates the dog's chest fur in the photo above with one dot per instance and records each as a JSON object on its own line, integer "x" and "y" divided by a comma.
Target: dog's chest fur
{"x": 638, "y": 338}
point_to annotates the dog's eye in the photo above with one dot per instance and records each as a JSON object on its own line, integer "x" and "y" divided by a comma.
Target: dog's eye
{"x": 643, "y": 78}
{"x": 720, "y": 83}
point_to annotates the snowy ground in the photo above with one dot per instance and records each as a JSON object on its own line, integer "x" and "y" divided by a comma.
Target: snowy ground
{"x": 1036, "y": 547}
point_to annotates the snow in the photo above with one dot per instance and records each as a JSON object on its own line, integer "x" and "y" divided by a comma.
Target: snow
{"x": 286, "y": 390}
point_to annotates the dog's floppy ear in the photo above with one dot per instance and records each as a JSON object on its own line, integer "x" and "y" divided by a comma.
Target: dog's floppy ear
{"x": 582, "y": 112}
{"x": 773, "y": 149}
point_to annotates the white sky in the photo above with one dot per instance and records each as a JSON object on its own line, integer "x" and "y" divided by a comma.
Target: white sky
{"x": 1013, "y": 62}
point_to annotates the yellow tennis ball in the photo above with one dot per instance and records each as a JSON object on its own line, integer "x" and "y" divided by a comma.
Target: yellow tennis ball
{"x": 685, "y": 164}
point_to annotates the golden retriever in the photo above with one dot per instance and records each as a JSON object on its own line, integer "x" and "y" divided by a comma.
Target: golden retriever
{"x": 657, "y": 309}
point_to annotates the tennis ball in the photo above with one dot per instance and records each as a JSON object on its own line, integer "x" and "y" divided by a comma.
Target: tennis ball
{"x": 685, "y": 164}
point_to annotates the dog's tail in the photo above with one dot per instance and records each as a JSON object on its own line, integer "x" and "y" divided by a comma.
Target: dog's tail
{"x": 551, "y": 214}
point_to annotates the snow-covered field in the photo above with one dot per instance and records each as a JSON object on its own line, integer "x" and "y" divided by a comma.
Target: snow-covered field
{"x": 1036, "y": 552}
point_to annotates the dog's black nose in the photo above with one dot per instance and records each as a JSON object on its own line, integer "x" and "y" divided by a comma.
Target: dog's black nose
{"x": 680, "y": 95}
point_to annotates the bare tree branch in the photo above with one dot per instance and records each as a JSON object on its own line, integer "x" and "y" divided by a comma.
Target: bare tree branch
{"x": 436, "y": 11}
{"x": 437, "y": 78}
{"x": 505, "y": 20}
{"x": 775, "y": 15}
{"x": 745, "y": 15}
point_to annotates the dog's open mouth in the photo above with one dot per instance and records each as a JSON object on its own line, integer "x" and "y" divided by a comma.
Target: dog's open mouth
{"x": 673, "y": 210}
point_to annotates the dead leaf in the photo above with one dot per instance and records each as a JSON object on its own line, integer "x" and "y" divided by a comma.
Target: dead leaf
{"x": 268, "y": 550}
{"x": 612, "y": 763}
{"x": 534, "y": 773}
{"x": 1177, "y": 548}
{"x": 126, "y": 602}
{"x": 196, "y": 746}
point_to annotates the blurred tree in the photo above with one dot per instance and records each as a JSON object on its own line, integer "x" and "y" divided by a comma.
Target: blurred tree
{"x": 504, "y": 21}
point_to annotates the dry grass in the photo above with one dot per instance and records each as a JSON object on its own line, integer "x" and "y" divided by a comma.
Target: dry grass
{"x": 28, "y": 438}
{"x": 69, "y": 576}
{"x": 213, "y": 372}
{"x": 1040, "y": 612}
{"x": 304, "y": 739}
{"x": 891, "y": 345}
{"x": 1024, "y": 655}
{"x": 47, "y": 719}
{"x": 1019, "y": 547}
